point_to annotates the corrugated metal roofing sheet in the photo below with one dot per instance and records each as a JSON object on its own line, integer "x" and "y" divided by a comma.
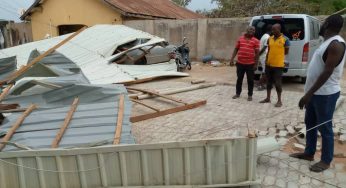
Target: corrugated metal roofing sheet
{"x": 155, "y": 8}
{"x": 152, "y": 8}
{"x": 92, "y": 123}
{"x": 92, "y": 49}
{"x": 207, "y": 163}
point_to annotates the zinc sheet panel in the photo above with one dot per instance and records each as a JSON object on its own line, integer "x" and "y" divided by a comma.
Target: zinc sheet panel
{"x": 91, "y": 124}
{"x": 91, "y": 94}
{"x": 197, "y": 163}
{"x": 91, "y": 51}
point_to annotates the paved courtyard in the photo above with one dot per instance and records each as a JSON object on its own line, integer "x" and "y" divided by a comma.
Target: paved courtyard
{"x": 224, "y": 117}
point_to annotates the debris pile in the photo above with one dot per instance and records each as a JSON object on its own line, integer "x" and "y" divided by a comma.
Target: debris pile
{"x": 64, "y": 95}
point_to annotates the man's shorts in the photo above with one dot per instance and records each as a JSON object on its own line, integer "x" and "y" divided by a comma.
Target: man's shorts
{"x": 274, "y": 76}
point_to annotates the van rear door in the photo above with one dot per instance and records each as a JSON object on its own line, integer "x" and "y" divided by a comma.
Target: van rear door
{"x": 292, "y": 28}
{"x": 314, "y": 40}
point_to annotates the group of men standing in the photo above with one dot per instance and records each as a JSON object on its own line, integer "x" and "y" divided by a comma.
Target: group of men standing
{"x": 270, "y": 52}
{"x": 322, "y": 88}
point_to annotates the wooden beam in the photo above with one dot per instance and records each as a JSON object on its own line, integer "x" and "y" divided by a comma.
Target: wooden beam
{"x": 64, "y": 126}
{"x": 13, "y": 110}
{"x": 141, "y": 103}
{"x": 120, "y": 118}
{"x": 166, "y": 112}
{"x": 138, "y": 81}
{"x": 158, "y": 94}
{"x": 5, "y": 92}
{"x": 16, "y": 125}
{"x": 21, "y": 71}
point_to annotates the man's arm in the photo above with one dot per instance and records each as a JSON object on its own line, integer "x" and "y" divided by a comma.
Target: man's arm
{"x": 287, "y": 46}
{"x": 262, "y": 50}
{"x": 235, "y": 52}
{"x": 336, "y": 51}
{"x": 287, "y": 49}
{"x": 268, "y": 52}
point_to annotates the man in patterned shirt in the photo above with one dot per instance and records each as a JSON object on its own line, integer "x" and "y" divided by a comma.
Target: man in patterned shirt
{"x": 247, "y": 49}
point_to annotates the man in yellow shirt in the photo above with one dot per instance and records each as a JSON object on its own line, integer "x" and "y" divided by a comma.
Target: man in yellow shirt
{"x": 278, "y": 47}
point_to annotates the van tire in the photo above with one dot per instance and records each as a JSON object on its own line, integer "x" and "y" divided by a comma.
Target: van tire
{"x": 302, "y": 80}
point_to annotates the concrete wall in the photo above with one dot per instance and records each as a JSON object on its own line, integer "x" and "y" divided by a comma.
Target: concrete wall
{"x": 16, "y": 33}
{"x": 205, "y": 36}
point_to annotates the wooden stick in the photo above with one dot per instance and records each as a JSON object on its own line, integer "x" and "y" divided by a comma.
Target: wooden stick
{"x": 13, "y": 110}
{"x": 5, "y": 92}
{"x": 16, "y": 125}
{"x": 64, "y": 126}
{"x": 166, "y": 112}
{"x": 158, "y": 94}
{"x": 39, "y": 58}
{"x": 119, "y": 127}
{"x": 141, "y": 103}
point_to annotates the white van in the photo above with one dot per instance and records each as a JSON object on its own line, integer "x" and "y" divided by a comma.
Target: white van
{"x": 302, "y": 30}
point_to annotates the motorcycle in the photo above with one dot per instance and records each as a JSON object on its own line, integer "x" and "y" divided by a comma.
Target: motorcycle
{"x": 181, "y": 54}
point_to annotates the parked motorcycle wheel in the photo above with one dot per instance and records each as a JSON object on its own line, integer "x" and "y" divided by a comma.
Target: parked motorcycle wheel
{"x": 189, "y": 66}
{"x": 177, "y": 62}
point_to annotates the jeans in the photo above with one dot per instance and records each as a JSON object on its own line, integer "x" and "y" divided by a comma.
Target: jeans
{"x": 319, "y": 110}
{"x": 250, "y": 74}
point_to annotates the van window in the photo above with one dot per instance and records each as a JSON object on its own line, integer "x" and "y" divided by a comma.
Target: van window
{"x": 314, "y": 30}
{"x": 317, "y": 31}
{"x": 293, "y": 28}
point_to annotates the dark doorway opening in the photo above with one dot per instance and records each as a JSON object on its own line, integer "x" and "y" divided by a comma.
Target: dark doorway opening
{"x": 66, "y": 29}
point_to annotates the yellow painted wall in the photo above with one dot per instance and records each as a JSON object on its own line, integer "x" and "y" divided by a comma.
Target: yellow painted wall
{"x": 69, "y": 12}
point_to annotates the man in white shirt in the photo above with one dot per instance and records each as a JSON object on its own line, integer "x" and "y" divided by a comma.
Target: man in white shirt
{"x": 322, "y": 89}
{"x": 263, "y": 56}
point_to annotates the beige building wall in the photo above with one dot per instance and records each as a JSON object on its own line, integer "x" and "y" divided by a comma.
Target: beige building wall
{"x": 53, "y": 13}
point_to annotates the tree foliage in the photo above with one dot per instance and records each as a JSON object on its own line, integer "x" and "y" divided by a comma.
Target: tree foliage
{"x": 247, "y": 8}
{"x": 182, "y": 3}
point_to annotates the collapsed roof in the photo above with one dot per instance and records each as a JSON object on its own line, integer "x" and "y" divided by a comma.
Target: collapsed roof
{"x": 93, "y": 52}
{"x": 82, "y": 70}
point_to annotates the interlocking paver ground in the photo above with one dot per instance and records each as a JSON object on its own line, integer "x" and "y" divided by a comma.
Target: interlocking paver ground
{"x": 224, "y": 117}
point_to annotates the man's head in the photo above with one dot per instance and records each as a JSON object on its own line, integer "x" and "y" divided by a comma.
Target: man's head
{"x": 332, "y": 25}
{"x": 276, "y": 30}
{"x": 250, "y": 31}
{"x": 269, "y": 28}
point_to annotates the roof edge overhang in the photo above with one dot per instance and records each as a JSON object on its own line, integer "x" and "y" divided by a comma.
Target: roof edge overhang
{"x": 136, "y": 15}
{"x": 31, "y": 9}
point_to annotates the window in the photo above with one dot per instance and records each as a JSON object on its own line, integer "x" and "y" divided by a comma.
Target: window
{"x": 317, "y": 29}
{"x": 66, "y": 29}
{"x": 312, "y": 30}
{"x": 293, "y": 28}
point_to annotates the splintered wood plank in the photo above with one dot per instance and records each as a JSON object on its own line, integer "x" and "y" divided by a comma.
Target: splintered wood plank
{"x": 64, "y": 126}
{"x": 16, "y": 125}
{"x": 158, "y": 94}
{"x": 5, "y": 92}
{"x": 146, "y": 105}
{"x": 166, "y": 112}
{"x": 120, "y": 118}
{"x": 22, "y": 70}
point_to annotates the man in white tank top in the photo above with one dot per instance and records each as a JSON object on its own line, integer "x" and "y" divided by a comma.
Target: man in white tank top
{"x": 322, "y": 89}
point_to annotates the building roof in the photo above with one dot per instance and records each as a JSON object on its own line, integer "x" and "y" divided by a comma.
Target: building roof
{"x": 148, "y": 9}
{"x": 153, "y": 8}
